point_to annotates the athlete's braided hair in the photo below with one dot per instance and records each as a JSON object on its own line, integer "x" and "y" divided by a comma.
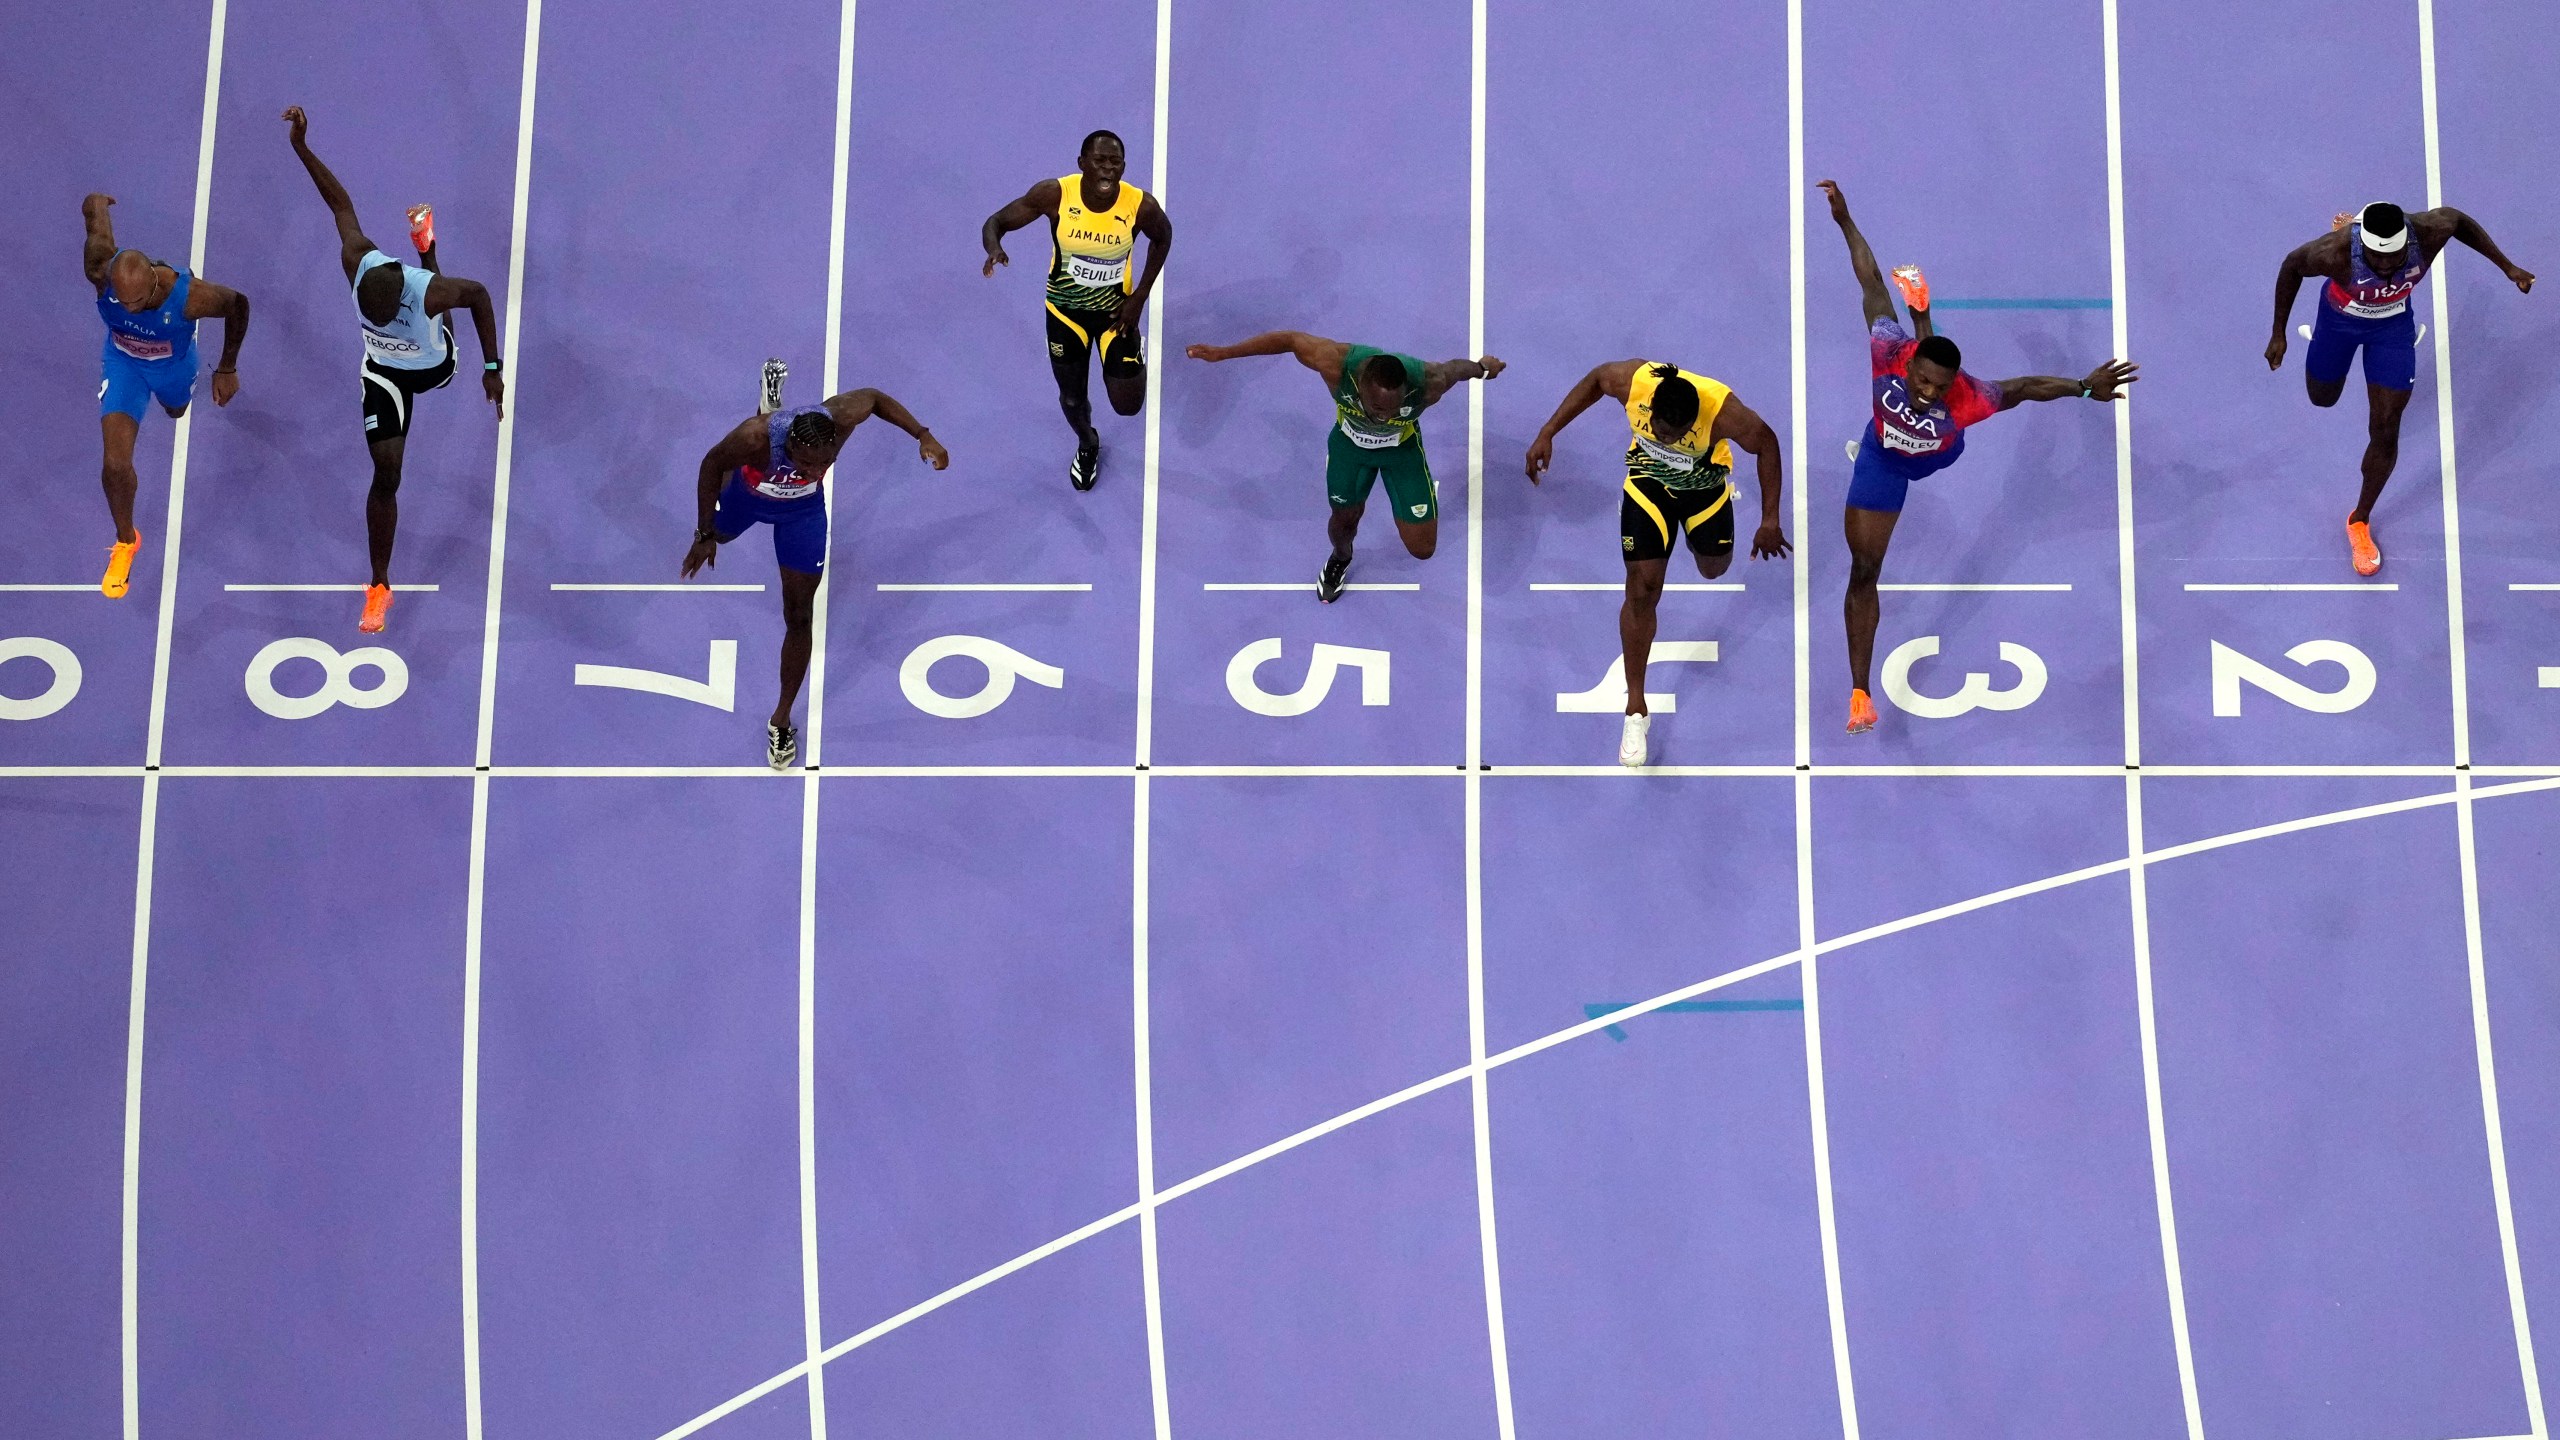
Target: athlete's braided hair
{"x": 1087, "y": 147}
{"x": 1938, "y": 349}
{"x": 1675, "y": 400}
{"x": 814, "y": 430}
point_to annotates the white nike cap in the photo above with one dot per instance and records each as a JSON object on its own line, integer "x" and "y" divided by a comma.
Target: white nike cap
{"x": 2381, "y": 244}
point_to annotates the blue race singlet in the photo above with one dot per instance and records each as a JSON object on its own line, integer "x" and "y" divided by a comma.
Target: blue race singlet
{"x": 154, "y": 335}
{"x": 2368, "y": 296}
{"x": 412, "y": 339}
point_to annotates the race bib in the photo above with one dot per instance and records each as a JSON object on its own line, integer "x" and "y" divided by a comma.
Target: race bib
{"x": 141, "y": 349}
{"x": 780, "y": 484}
{"x": 1665, "y": 456}
{"x": 2376, "y": 310}
{"x": 1096, "y": 271}
{"x": 1896, "y": 438}
{"x": 1368, "y": 439}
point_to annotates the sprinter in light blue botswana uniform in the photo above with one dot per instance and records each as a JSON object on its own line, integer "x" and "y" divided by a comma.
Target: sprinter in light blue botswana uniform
{"x": 151, "y": 310}
{"x": 408, "y": 351}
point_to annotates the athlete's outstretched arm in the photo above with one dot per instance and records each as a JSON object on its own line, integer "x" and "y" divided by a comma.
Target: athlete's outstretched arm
{"x": 1041, "y": 199}
{"x": 1439, "y": 377}
{"x": 99, "y": 246}
{"x": 351, "y": 240}
{"x": 1152, "y": 223}
{"x": 2107, "y": 382}
{"x": 206, "y": 300}
{"x": 1743, "y": 426}
{"x": 744, "y": 445}
{"x": 1610, "y": 380}
{"x": 1879, "y": 301}
{"x": 2471, "y": 233}
{"x": 855, "y": 406}
{"x": 447, "y": 291}
{"x": 1323, "y": 356}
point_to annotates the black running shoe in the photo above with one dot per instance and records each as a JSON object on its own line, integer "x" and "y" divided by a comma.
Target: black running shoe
{"x": 781, "y": 745}
{"x": 1329, "y": 584}
{"x": 775, "y": 372}
{"x": 1088, "y": 465}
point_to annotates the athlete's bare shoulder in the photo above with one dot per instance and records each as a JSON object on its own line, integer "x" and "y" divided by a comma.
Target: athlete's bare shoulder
{"x": 2324, "y": 256}
{"x": 1044, "y": 196}
{"x": 2436, "y": 227}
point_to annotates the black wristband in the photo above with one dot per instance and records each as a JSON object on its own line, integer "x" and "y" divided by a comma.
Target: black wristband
{"x": 703, "y": 533}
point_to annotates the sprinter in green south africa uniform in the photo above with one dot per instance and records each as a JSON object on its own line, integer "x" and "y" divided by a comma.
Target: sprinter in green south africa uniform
{"x": 1378, "y": 400}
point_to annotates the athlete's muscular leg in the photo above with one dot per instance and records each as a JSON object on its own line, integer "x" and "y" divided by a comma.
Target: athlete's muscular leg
{"x": 1128, "y": 392}
{"x": 1712, "y": 566}
{"x": 1636, "y": 623}
{"x": 2381, "y": 446}
{"x": 2323, "y": 393}
{"x": 1341, "y": 526}
{"x": 1420, "y": 539}
{"x": 1074, "y": 396}
{"x": 117, "y": 473}
{"x": 1868, "y": 533}
{"x": 799, "y": 607}
{"x": 382, "y": 505}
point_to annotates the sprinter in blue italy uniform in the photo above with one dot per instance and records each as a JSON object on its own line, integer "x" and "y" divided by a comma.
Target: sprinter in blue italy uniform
{"x": 151, "y": 309}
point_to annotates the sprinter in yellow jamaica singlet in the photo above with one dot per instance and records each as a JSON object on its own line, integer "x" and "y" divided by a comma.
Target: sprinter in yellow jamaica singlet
{"x": 1094, "y": 301}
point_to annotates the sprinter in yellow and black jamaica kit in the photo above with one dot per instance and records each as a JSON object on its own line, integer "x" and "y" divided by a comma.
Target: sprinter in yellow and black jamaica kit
{"x": 1378, "y": 400}
{"x": 1094, "y": 300}
{"x": 1679, "y": 475}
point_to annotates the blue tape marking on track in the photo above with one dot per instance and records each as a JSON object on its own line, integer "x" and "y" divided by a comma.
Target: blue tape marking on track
{"x": 1694, "y": 1007}
{"x": 2059, "y": 302}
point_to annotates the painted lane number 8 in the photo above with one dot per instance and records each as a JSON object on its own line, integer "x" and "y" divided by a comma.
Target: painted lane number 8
{"x": 338, "y": 686}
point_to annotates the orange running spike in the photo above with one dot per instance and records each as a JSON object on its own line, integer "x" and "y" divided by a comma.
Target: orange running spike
{"x": 1913, "y": 285}
{"x": 422, "y": 227}
{"x": 120, "y": 566}
{"x": 1862, "y": 712}
{"x": 377, "y": 609}
{"x": 2367, "y": 555}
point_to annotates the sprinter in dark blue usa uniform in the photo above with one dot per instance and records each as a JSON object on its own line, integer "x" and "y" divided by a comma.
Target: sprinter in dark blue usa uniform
{"x": 772, "y": 470}
{"x": 151, "y": 309}
{"x": 2373, "y": 267}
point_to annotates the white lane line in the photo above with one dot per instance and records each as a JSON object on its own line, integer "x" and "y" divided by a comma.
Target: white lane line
{"x": 2518, "y": 1313}
{"x": 2138, "y": 888}
{"x": 474, "y": 907}
{"x": 1310, "y": 585}
{"x": 1799, "y": 575}
{"x": 1988, "y": 589}
{"x": 2548, "y": 677}
{"x": 129, "y": 1266}
{"x": 350, "y": 589}
{"x": 90, "y": 586}
{"x": 813, "y": 732}
{"x": 1497, "y": 1332}
{"x": 1616, "y": 586}
{"x": 2511, "y": 587}
{"x": 652, "y": 587}
{"x": 1818, "y": 1109}
{"x": 1141, "y": 1015}
{"x": 1006, "y": 588}
{"x": 2322, "y": 588}
{"x": 1593, "y": 1026}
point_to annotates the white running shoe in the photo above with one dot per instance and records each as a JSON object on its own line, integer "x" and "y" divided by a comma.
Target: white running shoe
{"x": 2302, "y": 330}
{"x": 1631, "y": 741}
{"x": 781, "y": 745}
{"x": 775, "y": 372}
{"x": 1852, "y": 448}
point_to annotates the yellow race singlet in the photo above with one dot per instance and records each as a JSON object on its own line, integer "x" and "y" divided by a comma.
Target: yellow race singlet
{"x": 1687, "y": 463}
{"x": 1091, "y": 251}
